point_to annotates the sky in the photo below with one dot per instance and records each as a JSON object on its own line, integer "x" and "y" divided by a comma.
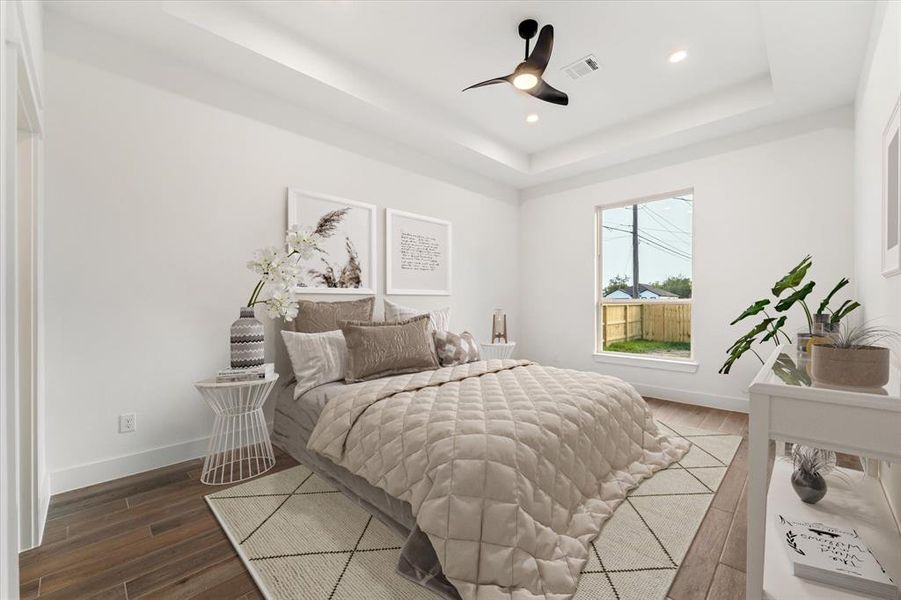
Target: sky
{"x": 664, "y": 246}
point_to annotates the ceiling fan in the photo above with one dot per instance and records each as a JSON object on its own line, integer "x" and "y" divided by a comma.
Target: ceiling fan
{"x": 527, "y": 74}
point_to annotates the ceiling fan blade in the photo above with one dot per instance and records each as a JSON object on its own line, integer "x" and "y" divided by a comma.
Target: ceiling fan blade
{"x": 504, "y": 79}
{"x": 543, "y": 91}
{"x": 541, "y": 54}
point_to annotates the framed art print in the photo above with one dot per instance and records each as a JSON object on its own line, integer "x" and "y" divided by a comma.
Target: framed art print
{"x": 344, "y": 260}
{"x": 417, "y": 254}
{"x": 891, "y": 194}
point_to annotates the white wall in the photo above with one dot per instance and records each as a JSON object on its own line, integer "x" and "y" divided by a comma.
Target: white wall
{"x": 757, "y": 211}
{"x": 877, "y": 95}
{"x": 155, "y": 203}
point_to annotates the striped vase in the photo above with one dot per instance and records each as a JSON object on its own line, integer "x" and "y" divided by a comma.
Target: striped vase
{"x": 246, "y": 341}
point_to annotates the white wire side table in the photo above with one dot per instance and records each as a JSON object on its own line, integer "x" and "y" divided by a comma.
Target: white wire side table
{"x": 239, "y": 445}
{"x": 490, "y": 351}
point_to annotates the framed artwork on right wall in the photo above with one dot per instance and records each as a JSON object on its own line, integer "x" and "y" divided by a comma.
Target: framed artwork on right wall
{"x": 891, "y": 194}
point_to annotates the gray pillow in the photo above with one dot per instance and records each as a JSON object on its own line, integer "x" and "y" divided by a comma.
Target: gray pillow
{"x": 380, "y": 349}
{"x": 316, "y": 317}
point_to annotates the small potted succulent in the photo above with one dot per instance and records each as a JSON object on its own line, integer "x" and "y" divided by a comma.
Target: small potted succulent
{"x": 810, "y": 465}
{"x": 850, "y": 357}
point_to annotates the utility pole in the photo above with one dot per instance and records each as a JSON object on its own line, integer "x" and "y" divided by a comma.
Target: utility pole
{"x": 635, "y": 291}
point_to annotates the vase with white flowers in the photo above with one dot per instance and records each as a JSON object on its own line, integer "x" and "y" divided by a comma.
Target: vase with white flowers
{"x": 280, "y": 276}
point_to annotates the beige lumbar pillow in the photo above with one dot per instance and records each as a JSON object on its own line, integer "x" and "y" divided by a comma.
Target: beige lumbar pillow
{"x": 440, "y": 319}
{"x": 453, "y": 349}
{"x": 379, "y": 349}
{"x": 317, "y": 358}
{"x": 316, "y": 317}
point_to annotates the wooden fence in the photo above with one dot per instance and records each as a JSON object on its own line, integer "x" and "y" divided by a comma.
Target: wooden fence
{"x": 664, "y": 321}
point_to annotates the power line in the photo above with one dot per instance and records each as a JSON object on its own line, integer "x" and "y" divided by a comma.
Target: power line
{"x": 660, "y": 218}
{"x": 685, "y": 244}
{"x": 667, "y": 249}
{"x": 674, "y": 236}
{"x": 655, "y": 238}
{"x": 654, "y": 243}
{"x": 643, "y": 228}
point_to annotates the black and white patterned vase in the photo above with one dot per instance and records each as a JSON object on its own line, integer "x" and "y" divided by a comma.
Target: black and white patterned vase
{"x": 247, "y": 345}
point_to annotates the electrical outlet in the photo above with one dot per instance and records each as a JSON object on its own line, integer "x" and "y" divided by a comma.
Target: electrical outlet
{"x": 127, "y": 423}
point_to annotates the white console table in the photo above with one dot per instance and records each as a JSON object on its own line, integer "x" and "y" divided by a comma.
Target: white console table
{"x": 787, "y": 406}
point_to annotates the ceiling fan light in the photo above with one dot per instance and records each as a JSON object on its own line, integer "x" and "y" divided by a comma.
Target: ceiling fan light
{"x": 525, "y": 81}
{"x": 532, "y": 118}
{"x": 678, "y": 56}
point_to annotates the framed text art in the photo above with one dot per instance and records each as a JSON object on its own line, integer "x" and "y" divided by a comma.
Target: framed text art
{"x": 417, "y": 254}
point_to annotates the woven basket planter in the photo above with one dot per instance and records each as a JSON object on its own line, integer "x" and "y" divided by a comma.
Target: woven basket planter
{"x": 866, "y": 367}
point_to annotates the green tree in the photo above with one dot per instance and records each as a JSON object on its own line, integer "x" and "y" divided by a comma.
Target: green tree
{"x": 677, "y": 284}
{"x": 617, "y": 282}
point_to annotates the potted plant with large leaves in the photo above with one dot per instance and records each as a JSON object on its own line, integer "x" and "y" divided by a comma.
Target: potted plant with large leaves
{"x": 788, "y": 292}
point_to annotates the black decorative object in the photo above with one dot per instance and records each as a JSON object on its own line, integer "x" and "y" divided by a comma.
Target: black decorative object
{"x": 810, "y": 487}
{"x": 810, "y": 464}
{"x": 527, "y": 76}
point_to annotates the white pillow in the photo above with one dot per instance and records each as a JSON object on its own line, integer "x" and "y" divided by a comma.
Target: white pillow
{"x": 317, "y": 358}
{"x": 439, "y": 319}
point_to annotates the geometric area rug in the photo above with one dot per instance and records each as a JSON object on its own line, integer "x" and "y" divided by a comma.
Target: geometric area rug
{"x": 301, "y": 538}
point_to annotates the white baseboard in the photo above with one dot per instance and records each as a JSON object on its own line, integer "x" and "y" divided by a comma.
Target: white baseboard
{"x": 87, "y": 474}
{"x": 733, "y": 403}
{"x": 108, "y": 469}
{"x": 44, "y": 494}
{"x": 41, "y": 511}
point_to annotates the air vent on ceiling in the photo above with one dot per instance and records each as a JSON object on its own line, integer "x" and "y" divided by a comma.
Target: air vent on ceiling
{"x": 582, "y": 67}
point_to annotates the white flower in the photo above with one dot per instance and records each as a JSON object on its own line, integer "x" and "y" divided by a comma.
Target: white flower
{"x": 275, "y": 267}
{"x": 282, "y": 303}
{"x": 264, "y": 259}
{"x": 284, "y": 273}
{"x": 302, "y": 240}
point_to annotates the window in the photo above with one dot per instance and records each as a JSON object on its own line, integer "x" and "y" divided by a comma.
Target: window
{"x": 644, "y": 277}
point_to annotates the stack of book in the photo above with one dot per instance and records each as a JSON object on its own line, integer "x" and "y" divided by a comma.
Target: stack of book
{"x": 247, "y": 374}
{"x": 834, "y": 556}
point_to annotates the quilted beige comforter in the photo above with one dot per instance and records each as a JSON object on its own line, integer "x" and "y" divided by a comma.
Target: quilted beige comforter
{"x": 510, "y": 467}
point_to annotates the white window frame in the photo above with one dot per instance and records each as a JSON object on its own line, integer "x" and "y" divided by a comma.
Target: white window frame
{"x": 688, "y": 365}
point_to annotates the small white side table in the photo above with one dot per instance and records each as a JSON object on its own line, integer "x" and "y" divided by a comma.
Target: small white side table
{"x": 239, "y": 445}
{"x": 490, "y": 351}
{"x": 787, "y": 406}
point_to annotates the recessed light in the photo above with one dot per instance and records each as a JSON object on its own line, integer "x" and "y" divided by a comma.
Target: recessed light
{"x": 678, "y": 56}
{"x": 532, "y": 118}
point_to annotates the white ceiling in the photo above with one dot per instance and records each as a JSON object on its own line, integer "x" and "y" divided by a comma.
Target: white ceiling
{"x": 397, "y": 69}
{"x": 438, "y": 48}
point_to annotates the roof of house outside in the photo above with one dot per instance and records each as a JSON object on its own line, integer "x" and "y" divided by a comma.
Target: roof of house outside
{"x": 643, "y": 287}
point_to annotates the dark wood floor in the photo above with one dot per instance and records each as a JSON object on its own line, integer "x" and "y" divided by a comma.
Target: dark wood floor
{"x": 152, "y": 535}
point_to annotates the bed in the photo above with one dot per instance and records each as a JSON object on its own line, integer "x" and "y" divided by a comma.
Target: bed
{"x": 509, "y": 467}
{"x": 294, "y": 423}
